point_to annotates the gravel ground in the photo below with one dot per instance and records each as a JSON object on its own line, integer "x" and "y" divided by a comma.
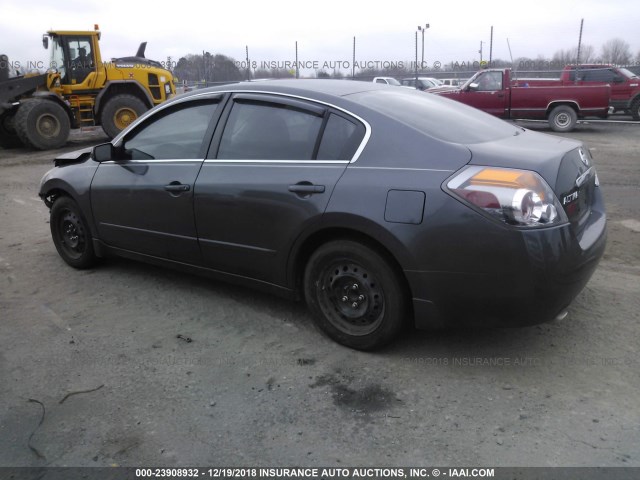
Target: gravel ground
{"x": 258, "y": 385}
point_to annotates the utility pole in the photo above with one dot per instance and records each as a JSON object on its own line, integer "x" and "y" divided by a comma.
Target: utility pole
{"x": 204, "y": 68}
{"x": 579, "y": 46}
{"x": 422, "y": 29}
{"x": 248, "y": 67}
{"x": 297, "y": 71}
{"x": 416, "y": 43}
{"x": 491, "y": 48}
{"x": 353, "y": 65}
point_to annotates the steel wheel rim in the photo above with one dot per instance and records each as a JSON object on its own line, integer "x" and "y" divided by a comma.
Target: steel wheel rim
{"x": 48, "y": 125}
{"x": 72, "y": 235}
{"x": 563, "y": 119}
{"x": 351, "y": 298}
{"x": 123, "y": 117}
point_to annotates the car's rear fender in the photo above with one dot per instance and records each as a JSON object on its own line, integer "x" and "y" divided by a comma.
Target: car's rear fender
{"x": 344, "y": 226}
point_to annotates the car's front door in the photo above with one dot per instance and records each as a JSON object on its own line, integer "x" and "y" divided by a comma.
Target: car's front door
{"x": 81, "y": 61}
{"x": 488, "y": 95}
{"x": 271, "y": 177}
{"x": 143, "y": 200}
{"x": 620, "y": 90}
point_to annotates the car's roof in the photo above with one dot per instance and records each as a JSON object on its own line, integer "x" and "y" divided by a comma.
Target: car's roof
{"x": 337, "y": 88}
{"x": 590, "y": 66}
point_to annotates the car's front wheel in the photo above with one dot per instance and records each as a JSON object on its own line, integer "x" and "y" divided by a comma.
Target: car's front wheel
{"x": 42, "y": 124}
{"x": 8, "y": 136}
{"x": 71, "y": 234}
{"x": 355, "y": 294}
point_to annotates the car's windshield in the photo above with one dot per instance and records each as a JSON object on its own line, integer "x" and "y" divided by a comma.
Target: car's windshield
{"x": 393, "y": 81}
{"x": 56, "y": 60}
{"x": 628, "y": 73}
{"x": 470, "y": 81}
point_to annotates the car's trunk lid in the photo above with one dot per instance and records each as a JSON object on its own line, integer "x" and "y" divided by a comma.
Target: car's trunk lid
{"x": 575, "y": 186}
{"x": 565, "y": 165}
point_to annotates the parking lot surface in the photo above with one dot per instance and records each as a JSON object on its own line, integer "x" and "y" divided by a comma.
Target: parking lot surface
{"x": 129, "y": 364}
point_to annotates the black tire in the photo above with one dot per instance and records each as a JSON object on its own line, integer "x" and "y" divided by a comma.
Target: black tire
{"x": 119, "y": 112}
{"x": 355, "y": 295}
{"x": 635, "y": 109}
{"x": 563, "y": 118}
{"x": 42, "y": 124}
{"x": 71, "y": 234}
{"x": 8, "y": 136}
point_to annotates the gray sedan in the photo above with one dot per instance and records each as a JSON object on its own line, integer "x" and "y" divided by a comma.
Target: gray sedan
{"x": 378, "y": 206}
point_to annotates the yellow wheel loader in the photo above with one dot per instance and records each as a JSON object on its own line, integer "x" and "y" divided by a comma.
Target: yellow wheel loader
{"x": 79, "y": 89}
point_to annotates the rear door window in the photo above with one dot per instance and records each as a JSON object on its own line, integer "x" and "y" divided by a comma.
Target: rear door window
{"x": 269, "y": 131}
{"x": 341, "y": 139}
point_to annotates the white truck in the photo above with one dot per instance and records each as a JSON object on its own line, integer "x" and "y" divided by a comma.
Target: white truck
{"x": 387, "y": 80}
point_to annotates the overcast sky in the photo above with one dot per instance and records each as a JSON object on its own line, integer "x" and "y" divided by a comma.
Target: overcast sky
{"x": 384, "y": 31}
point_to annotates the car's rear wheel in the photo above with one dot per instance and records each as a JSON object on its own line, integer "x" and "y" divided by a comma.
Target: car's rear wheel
{"x": 71, "y": 234}
{"x": 355, "y": 294}
{"x": 563, "y": 118}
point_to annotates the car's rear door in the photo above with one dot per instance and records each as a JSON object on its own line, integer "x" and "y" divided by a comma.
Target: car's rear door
{"x": 143, "y": 201}
{"x": 273, "y": 165}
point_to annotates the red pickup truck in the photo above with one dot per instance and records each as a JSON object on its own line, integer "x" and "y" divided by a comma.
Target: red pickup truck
{"x": 492, "y": 91}
{"x": 625, "y": 85}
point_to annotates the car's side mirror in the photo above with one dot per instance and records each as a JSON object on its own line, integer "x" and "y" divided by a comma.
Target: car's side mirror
{"x": 473, "y": 86}
{"x": 104, "y": 152}
{"x": 618, "y": 79}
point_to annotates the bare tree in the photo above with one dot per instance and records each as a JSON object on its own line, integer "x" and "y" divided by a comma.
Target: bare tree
{"x": 616, "y": 51}
{"x": 562, "y": 57}
{"x": 524, "y": 63}
{"x": 208, "y": 68}
{"x": 570, "y": 56}
{"x": 587, "y": 54}
{"x": 274, "y": 73}
{"x": 499, "y": 63}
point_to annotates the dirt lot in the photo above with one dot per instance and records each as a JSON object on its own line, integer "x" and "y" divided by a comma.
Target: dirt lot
{"x": 259, "y": 385}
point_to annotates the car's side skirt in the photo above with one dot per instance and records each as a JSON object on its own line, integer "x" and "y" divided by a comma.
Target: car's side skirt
{"x": 104, "y": 250}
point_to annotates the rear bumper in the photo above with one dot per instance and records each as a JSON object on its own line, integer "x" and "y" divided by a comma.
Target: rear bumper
{"x": 546, "y": 269}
